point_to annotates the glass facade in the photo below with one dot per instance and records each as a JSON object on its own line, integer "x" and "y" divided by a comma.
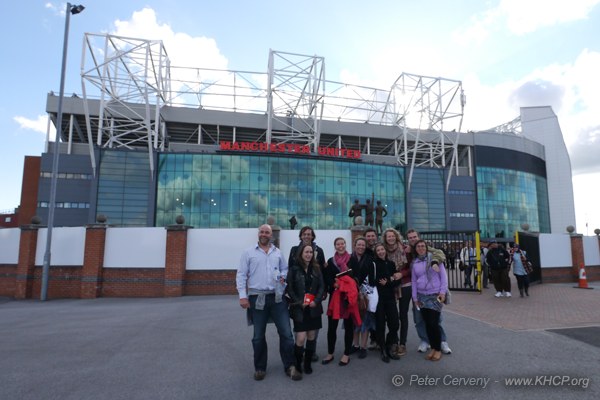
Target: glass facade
{"x": 509, "y": 198}
{"x": 240, "y": 191}
{"x": 428, "y": 200}
{"x": 124, "y": 187}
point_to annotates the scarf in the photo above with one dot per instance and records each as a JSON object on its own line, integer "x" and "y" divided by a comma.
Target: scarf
{"x": 342, "y": 260}
{"x": 422, "y": 258}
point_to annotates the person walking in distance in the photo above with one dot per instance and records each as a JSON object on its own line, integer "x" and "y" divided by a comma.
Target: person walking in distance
{"x": 521, "y": 268}
{"x": 260, "y": 281}
{"x": 468, "y": 257}
{"x": 498, "y": 260}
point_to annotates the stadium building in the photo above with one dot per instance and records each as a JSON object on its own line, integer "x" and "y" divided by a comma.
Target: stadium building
{"x": 146, "y": 141}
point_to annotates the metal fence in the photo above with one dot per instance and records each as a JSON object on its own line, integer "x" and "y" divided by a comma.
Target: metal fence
{"x": 464, "y": 256}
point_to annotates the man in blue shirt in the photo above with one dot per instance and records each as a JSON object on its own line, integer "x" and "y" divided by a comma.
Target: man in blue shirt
{"x": 260, "y": 281}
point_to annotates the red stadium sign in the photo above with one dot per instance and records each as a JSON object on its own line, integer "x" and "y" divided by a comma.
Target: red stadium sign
{"x": 288, "y": 148}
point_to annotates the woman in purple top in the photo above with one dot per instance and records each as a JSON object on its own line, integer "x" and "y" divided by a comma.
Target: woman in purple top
{"x": 429, "y": 287}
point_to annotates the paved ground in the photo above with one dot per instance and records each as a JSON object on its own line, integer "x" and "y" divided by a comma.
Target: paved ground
{"x": 548, "y": 306}
{"x": 199, "y": 348}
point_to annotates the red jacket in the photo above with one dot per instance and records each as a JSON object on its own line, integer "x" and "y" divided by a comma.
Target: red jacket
{"x": 343, "y": 302}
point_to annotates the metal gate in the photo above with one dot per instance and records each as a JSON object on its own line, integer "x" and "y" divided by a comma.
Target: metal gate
{"x": 463, "y": 258}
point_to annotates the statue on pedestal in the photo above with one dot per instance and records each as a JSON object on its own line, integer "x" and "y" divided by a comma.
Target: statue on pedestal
{"x": 380, "y": 213}
{"x": 355, "y": 211}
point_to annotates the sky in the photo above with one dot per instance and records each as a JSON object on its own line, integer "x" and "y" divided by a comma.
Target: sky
{"x": 507, "y": 53}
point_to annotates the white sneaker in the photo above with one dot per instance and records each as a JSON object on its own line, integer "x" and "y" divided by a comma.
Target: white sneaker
{"x": 498, "y": 294}
{"x": 507, "y": 294}
{"x": 423, "y": 347}
{"x": 445, "y": 348}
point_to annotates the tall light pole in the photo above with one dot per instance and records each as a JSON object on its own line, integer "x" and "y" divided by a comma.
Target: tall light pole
{"x": 71, "y": 9}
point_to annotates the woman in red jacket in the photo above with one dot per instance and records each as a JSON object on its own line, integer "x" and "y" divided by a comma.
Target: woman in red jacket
{"x": 339, "y": 306}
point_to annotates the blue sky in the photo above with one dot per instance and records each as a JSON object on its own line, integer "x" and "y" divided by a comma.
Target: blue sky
{"x": 507, "y": 53}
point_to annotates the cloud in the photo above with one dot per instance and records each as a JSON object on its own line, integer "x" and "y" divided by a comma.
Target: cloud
{"x": 39, "y": 125}
{"x": 54, "y": 8}
{"x": 536, "y": 93}
{"x": 183, "y": 50}
{"x": 478, "y": 30}
{"x": 482, "y": 98}
{"x": 584, "y": 151}
{"x": 528, "y": 16}
{"x": 520, "y": 17}
{"x": 573, "y": 93}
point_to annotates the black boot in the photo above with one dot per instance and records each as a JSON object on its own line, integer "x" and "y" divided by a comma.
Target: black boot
{"x": 311, "y": 345}
{"x": 391, "y": 355}
{"x": 299, "y": 353}
{"x": 521, "y": 292}
{"x": 384, "y": 357}
{"x": 527, "y": 291}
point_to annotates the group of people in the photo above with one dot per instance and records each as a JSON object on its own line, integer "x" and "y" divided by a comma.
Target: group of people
{"x": 388, "y": 273}
{"x": 496, "y": 262}
{"x": 500, "y": 261}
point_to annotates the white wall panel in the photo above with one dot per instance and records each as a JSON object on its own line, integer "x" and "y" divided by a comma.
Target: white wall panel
{"x": 135, "y": 248}
{"x": 9, "y": 245}
{"x": 591, "y": 250}
{"x": 555, "y": 250}
{"x": 222, "y": 248}
{"x": 68, "y": 246}
{"x": 218, "y": 248}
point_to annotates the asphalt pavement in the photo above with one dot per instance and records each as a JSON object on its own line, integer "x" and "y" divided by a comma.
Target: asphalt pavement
{"x": 546, "y": 346}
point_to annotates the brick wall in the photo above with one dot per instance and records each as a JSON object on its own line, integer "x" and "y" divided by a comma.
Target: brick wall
{"x": 91, "y": 279}
{"x": 132, "y": 282}
{"x": 209, "y": 282}
{"x": 29, "y": 188}
{"x": 566, "y": 275}
{"x": 175, "y": 260}
{"x": 26, "y": 264}
{"x": 577, "y": 253}
{"x": 558, "y": 275}
{"x": 64, "y": 282}
{"x": 8, "y": 274}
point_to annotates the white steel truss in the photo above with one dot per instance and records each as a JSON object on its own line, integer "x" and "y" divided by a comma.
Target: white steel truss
{"x": 510, "y": 127}
{"x": 295, "y": 94}
{"x": 132, "y": 78}
{"x": 135, "y": 80}
{"x": 433, "y": 106}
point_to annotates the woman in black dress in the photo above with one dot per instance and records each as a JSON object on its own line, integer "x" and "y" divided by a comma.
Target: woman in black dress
{"x": 382, "y": 276}
{"x": 305, "y": 288}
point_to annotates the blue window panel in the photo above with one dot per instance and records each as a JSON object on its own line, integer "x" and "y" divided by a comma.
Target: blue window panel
{"x": 240, "y": 191}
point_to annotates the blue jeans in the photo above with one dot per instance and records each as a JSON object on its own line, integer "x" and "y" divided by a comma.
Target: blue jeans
{"x": 278, "y": 313}
{"x": 420, "y": 325}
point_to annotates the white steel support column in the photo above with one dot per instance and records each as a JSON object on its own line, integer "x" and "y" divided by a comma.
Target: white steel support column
{"x": 270, "y": 111}
{"x": 70, "y": 142}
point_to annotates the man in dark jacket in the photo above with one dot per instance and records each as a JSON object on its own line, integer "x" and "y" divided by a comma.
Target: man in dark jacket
{"x": 307, "y": 236}
{"x": 497, "y": 259}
